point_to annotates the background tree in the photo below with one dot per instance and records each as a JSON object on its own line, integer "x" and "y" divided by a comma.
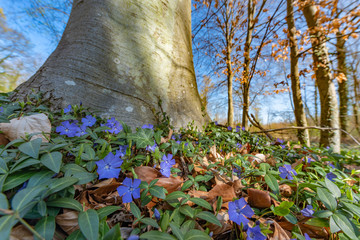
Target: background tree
{"x": 121, "y": 58}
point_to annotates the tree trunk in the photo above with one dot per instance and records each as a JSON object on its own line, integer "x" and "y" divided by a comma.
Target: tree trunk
{"x": 303, "y": 134}
{"x": 356, "y": 104}
{"x": 245, "y": 80}
{"x": 329, "y": 114}
{"x": 343, "y": 85}
{"x": 120, "y": 57}
{"x": 230, "y": 73}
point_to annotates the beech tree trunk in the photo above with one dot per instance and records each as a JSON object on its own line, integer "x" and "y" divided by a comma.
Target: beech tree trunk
{"x": 246, "y": 72}
{"x": 324, "y": 80}
{"x": 120, "y": 57}
{"x": 230, "y": 73}
{"x": 300, "y": 117}
{"x": 356, "y": 104}
{"x": 343, "y": 84}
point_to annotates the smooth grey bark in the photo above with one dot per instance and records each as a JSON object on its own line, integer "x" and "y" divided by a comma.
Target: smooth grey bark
{"x": 120, "y": 57}
{"x": 300, "y": 116}
{"x": 324, "y": 80}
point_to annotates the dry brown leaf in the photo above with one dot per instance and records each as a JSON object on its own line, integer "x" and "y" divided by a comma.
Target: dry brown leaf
{"x": 171, "y": 184}
{"x": 164, "y": 140}
{"x": 68, "y": 221}
{"x": 198, "y": 194}
{"x": 312, "y": 231}
{"x": 104, "y": 183}
{"x": 20, "y": 232}
{"x": 298, "y": 162}
{"x": 258, "y": 158}
{"x": 18, "y": 128}
{"x": 226, "y": 191}
{"x": 258, "y": 198}
{"x": 146, "y": 173}
{"x": 280, "y": 233}
{"x": 3, "y": 139}
{"x": 223, "y": 217}
{"x": 285, "y": 190}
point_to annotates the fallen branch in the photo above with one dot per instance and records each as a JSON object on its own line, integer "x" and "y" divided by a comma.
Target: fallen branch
{"x": 311, "y": 127}
{"x": 256, "y": 123}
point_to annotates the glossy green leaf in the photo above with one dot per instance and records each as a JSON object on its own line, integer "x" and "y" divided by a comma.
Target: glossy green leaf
{"x": 135, "y": 210}
{"x": 175, "y": 195}
{"x": 16, "y": 179}
{"x": 334, "y": 190}
{"x": 4, "y": 204}
{"x": 40, "y": 178}
{"x": 208, "y": 217}
{"x": 61, "y": 183}
{"x": 201, "y": 203}
{"x": 106, "y": 211}
{"x": 157, "y": 191}
{"x": 25, "y": 196}
{"x": 149, "y": 221}
{"x": 176, "y": 231}
{"x": 31, "y": 148}
{"x": 24, "y": 164}
{"x": 186, "y": 185}
{"x": 272, "y": 183}
{"x": 346, "y": 226}
{"x": 353, "y": 208}
{"x": 76, "y": 235}
{"x": 52, "y": 161}
{"x": 113, "y": 234}
{"x": 326, "y": 198}
{"x": 89, "y": 224}
{"x": 157, "y": 235}
{"x": 195, "y": 234}
{"x": 46, "y": 227}
{"x": 3, "y": 166}
{"x": 187, "y": 210}
{"x": 6, "y": 223}
{"x": 65, "y": 203}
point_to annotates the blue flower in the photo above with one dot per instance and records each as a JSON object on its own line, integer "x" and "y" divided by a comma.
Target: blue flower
{"x": 255, "y": 233}
{"x": 67, "y": 128}
{"x": 122, "y": 151}
{"x": 243, "y": 128}
{"x": 165, "y": 169}
{"x": 186, "y": 144}
{"x": 216, "y": 123}
{"x": 133, "y": 237}
{"x": 109, "y": 167}
{"x": 151, "y": 148}
{"x": 282, "y": 146}
{"x": 309, "y": 160}
{"x": 239, "y": 145}
{"x": 157, "y": 214}
{"x": 129, "y": 190}
{"x": 68, "y": 109}
{"x": 237, "y": 171}
{"x": 331, "y": 176}
{"x": 280, "y": 140}
{"x": 173, "y": 137}
{"x": 81, "y": 131}
{"x": 287, "y": 172}
{"x": 239, "y": 210}
{"x": 178, "y": 142}
{"x": 237, "y": 129}
{"x": 332, "y": 165}
{"x": 1, "y": 109}
{"x": 307, "y": 237}
{"x": 168, "y": 159}
{"x": 229, "y": 128}
{"x": 88, "y": 121}
{"x": 115, "y": 126}
{"x": 149, "y": 126}
{"x": 307, "y": 212}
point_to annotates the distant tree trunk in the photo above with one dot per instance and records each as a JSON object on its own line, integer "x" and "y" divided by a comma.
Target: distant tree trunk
{"x": 246, "y": 72}
{"x": 303, "y": 134}
{"x": 316, "y": 105}
{"x": 230, "y": 73}
{"x": 356, "y": 104}
{"x": 120, "y": 57}
{"x": 343, "y": 83}
{"x": 329, "y": 105}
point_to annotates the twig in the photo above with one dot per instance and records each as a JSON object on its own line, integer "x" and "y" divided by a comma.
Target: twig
{"x": 254, "y": 122}
{"x": 311, "y": 127}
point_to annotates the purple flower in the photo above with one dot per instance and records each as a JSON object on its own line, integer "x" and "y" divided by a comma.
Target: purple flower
{"x": 286, "y": 172}
{"x": 133, "y": 237}
{"x": 280, "y": 140}
{"x": 1, "y": 109}
{"x": 68, "y": 109}
{"x": 307, "y": 237}
{"x": 283, "y": 146}
{"x": 157, "y": 214}
{"x": 255, "y": 233}
{"x": 178, "y": 142}
{"x": 122, "y": 151}
{"x": 239, "y": 145}
{"x": 129, "y": 190}
{"x": 331, "y": 176}
{"x": 115, "y": 126}
{"x": 307, "y": 212}
{"x": 309, "y": 160}
{"x": 237, "y": 129}
{"x": 165, "y": 169}
{"x": 151, "y": 148}
{"x": 186, "y": 144}
{"x": 88, "y": 121}
{"x": 173, "y": 137}
{"x": 149, "y": 126}
{"x": 216, "y": 123}
{"x": 67, "y": 128}
{"x": 168, "y": 159}
{"x": 237, "y": 171}
{"x": 81, "y": 131}
{"x": 243, "y": 128}
{"x": 332, "y": 165}
{"x": 109, "y": 167}
{"x": 239, "y": 210}
{"x": 229, "y": 128}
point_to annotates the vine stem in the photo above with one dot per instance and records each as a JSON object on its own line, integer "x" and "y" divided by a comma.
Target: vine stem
{"x": 29, "y": 227}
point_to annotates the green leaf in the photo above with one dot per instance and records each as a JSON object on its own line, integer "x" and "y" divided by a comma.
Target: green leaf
{"x": 353, "y": 208}
{"x": 25, "y": 196}
{"x": 272, "y": 183}
{"x": 113, "y": 234}
{"x": 6, "y": 223}
{"x": 333, "y": 226}
{"x": 201, "y": 202}
{"x": 61, "y": 183}
{"x": 52, "y": 161}
{"x": 189, "y": 224}
{"x": 283, "y": 209}
{"x": 40, "y": 178}
{"x": 4, "y": 204}
{"x": 24, "y": 164}
{"x": 291, "y": 218}
{"x": 65, "y": 203}
{"x": 176, "y": 231}
{"x": 31, "y": 148}
{"x": 89, "y": 224}
{"x": 106, "y": 211}
{"x": 3, "y": 167}
{"x": 186, "y": 185}
{"x": 157, "y": 191}
{"x": 326, "y": 198}
{"x": 175, "y": 195}
{"x": 142, "y": 138}
{"x": 209, "y": 217}
{"x": 46, "y": 227}
{"x": 195, "y": 234}
{"x": 41, "y": 208}
{"x": 150, "y": 221}
{"x": 164, "y": 222}
{"x": 153, "y": 182}
{"x": 346, "y": 226}
{"x": 334, "y": 190}
{"x": 318, "y": 222}
{"x": 135, "y": 210}
{"x": 187, "y": 210}
{"x": 157, "y": 235}
{"x": 323, "y": 214}
{"x": 16, "y": 179}
{"x": 76, "y": 235}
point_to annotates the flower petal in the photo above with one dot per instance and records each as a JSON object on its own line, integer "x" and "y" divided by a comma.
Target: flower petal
{"x": 127, "y": 198}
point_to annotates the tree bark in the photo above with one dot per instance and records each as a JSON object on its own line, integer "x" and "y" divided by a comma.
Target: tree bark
{"x": 343, "y": 84}
{"x": 119, "y": 57}
{"x": 356, "y": 104}
{"x": 300, "y": 117}
{"x": 328, "y": 102}
{"x": 245, "y": 80}
{"x": 230, "y": 73}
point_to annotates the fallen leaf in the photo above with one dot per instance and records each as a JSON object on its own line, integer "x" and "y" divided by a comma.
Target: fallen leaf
{"x": 285, "y": 190}
{"x": 171, "y": 184}
{"x": 259, "y": 198}
{"x": 18, "y": 128}
{"x": 3, "y": 139}
{"x": 280, "y": 233}
{"x": 146, "y": 173}
{"x": 226, "y": 191}
{"x": 258, "y": 158}
{"x": 223, "y": 217}
{"x": 68, "y": 221}
{"x": 20, "y": 232}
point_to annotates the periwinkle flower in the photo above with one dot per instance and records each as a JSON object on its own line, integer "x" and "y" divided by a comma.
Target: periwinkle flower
{"x": 129, "y": 190}
{"x": 229, "y": 128}
{"x": 122, "y": 151}
{"x": 168, "y": 159}
{"x": 68, "y": 109}
{"x": 307, "y": 237}
{"x": 178, "y": 142}
{"x": 115, "y": 126}
{"x": 165, "y": 169}
{"x": 151, "y": 148}
{"x": 332, "y": 165}
{"x": 238, "y": 145}
{"x": 331, "y": 176}
{"x": 307, "y": 212}
{"x": 157, "y": 214}
{"x": 133, "y": 237}
{"x": 88, "y": 121}
{"x": 255, "y": 233}
{"x": 1, "y": 109}
{"x": 67, "y": 128}
{"x": 239, "y": 210}
{"x": 148, "y": 126}
{"x": 80, "y": 131}
{"x": 109, "y": 167}
{"x": 237, "y": 171}
{"x": 287, "y": 172}
{"x": 308, "y": 160}
{"x": 216, "y": 123}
